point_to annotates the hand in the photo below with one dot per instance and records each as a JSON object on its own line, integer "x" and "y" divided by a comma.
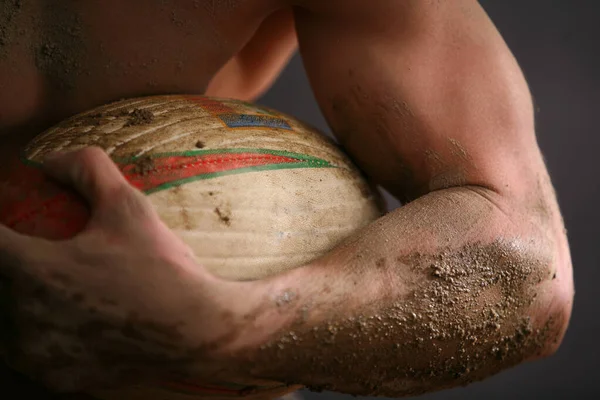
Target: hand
{"x": 122, "y": 301}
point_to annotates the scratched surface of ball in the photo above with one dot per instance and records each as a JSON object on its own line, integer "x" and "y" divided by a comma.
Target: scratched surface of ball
{"x": 252, "y": 191}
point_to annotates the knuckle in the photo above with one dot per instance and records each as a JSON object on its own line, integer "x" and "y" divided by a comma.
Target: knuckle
{"x": 123, "y": 203}
{"x": 91, "y": 156}
{"x": 121, "y": 195}
{"x": 136, "y": 203}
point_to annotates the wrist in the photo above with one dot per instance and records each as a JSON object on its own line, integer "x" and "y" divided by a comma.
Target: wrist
{"x": 260, "y": 311}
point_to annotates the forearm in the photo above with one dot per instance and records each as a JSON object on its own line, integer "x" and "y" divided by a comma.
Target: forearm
{"x": 473, "y": 275}
{"x": 443, "y": 291}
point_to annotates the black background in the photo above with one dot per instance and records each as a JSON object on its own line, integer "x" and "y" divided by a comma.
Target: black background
{"x": 557, "y": 46}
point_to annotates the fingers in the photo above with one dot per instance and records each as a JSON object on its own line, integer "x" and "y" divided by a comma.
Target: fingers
{"x": 90, "y": 171}
{"x": 116, "y": 205}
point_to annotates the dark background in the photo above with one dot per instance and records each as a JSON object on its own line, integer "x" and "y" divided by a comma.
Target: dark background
{"x": 556, "y": 44}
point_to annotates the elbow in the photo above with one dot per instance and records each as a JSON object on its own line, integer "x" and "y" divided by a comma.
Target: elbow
{"x": 553, "y": 293}
{"x": 552, "y": 311}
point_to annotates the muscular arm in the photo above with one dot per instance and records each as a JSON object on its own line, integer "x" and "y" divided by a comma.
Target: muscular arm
{"x": 472, "y": 275}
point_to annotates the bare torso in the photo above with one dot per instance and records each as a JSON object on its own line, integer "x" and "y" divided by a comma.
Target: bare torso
{"x": 61, "y": 57}
{"x": 58, "y": 58}
{"x": 424, "y": 95}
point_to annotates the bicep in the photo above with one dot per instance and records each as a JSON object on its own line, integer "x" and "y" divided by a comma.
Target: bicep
{"x": 424, "y": 95}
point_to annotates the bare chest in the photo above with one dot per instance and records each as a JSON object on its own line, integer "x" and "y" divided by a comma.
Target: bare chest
{"x": 60, "y": 57}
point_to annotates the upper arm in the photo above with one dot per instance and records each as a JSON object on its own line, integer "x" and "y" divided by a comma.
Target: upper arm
{"x": 424, "y": 94}
{"x": 250, "y": 72}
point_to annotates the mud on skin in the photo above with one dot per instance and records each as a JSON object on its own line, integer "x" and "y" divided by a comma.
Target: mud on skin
{"x": 60, "y": 51}
{"x": 462, "y": 322}
{"x": 116, "y": 334}
{"x": 9, "y": 10}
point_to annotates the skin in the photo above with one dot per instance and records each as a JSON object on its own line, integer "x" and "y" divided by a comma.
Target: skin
{"x": 472, "y": 276}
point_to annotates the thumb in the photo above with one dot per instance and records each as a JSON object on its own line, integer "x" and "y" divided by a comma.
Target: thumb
{"x": 90, "y": 171}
